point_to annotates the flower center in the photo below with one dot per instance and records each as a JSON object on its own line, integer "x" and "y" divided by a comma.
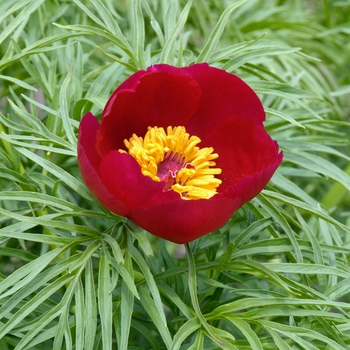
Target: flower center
{"x": 174, "y": 157}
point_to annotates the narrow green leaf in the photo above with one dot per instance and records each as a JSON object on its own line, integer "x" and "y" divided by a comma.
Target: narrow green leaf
{"x": 13, "y": 175}
{"x": 341, "y": 91}
{"x": 126, "y": 274}
{"x": 215, "y": 35}
{"x": 286, "y": 89}
{"x": 254, "y": 303}
{"x": 198, "y": 342}
{"x": 154, "y": 23}
{"x": 250, "y": 231}
{"x": 108, "y": 20}
{"x": 18, "y": 82}
{"x": 28, "y": 118}
{"x": 39, "y": 46}
{"x": 8, "y": 7}
{"x": 85, "y": 256}
{"x": 42, "y": 238}
{"x": 79, "y": 309}
{"x": 20, "y": 20}
{"x": 89, "y": 13}
{"x": 34, "y": 144}
{"x": 122, "y": 61}
{"x": 170, "y": 293}
{"x": 63, "y": 328}
{"x": 77, "y": 74}
{"x": 253, "y": 56}
{"x": 246, "y": 330}
{"x": 231, "y": 50}
{"x": 123, "y": 318}
{"x": 64, "y": 102}
{"x": 140, "y": 328}
{"x": 316, "y": 249}
{"x": 283, "y": 116}
{"x": 184, "y": 332}
{"x": 35, "y": 69}
{"x": 306, "y": 207}
{"x": 281, "y": 344}
{"x": 27, "y": 273}
{"x": 126, "y": 310}
{"x": 40, "y": 323}
{"x": 31, "y": 305}
{"x": 105, "y": 306}
{"x": 264, "y": 270}
{"x": 319, "y": 165}
{"x": 141, "y": 237}
{"x": 168, "y": 51}
{"x": 291, "y": 187}
{"x": 309, "y": 269}
{"x": 282, "y": 221}
{"x": 58, "y": 172}
{"x": 138, "y": 32}
{"x": 83, "y": 29}
{"x": 151, "y": 284}
{"x": 192, "y": 286}
{"x": 286, "y": 92}
{"x": 47, "y": 221}
{"x": 262, "y": 247}
{"x": 296, "y": 333}
{"x": 152, "y": 310}
{"x": 42, "y": 198}
{"x": 117, "y": 253}
{"x": 169, "y": 18}
{"x": 314, "y": 146}
{"x": 90, "y": 311}
{"x": 17, "y": 253}
{"x": 33, "y": 126}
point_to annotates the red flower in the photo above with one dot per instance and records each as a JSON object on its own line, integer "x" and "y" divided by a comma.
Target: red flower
{"x": 180, "y": 193}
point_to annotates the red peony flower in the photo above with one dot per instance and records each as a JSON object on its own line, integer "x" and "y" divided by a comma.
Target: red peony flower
{"x": 178, "y": 150}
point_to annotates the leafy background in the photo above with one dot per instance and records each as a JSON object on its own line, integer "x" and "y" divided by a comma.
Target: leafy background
{"x": 75, "y": 276}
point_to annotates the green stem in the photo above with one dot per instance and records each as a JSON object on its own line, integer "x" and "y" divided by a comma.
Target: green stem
{"x": 192, "y": 285}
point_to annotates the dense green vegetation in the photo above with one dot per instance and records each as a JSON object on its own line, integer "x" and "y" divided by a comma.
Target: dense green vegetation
{"x": 75, "y": 276}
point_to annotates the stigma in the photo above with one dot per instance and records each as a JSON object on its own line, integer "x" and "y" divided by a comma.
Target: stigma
{"x": 173, "y": 157}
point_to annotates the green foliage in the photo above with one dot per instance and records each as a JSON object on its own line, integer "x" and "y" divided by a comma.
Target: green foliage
{"x": 75, "y": 276}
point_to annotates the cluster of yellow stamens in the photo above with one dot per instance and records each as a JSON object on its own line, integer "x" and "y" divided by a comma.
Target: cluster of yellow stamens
{"x": 174, "y": 157}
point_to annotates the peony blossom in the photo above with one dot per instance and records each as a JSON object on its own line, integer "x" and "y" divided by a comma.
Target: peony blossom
{"x": 178, "y": 150}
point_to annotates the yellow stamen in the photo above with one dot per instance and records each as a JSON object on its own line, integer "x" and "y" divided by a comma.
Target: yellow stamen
{"x": 174, "y": 157}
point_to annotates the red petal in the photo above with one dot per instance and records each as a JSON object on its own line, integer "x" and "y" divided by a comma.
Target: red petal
{"x": 223, "y": 95}
{"x": 244, "y": 149}
{"x": 160, "y": 99}
{"x": 122, "y": 176}
{"x": 89, "y": 160}
{"x": 250, "y": 186}
{"x": 183, "y": 221}
{"x": 128, "y": 84}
